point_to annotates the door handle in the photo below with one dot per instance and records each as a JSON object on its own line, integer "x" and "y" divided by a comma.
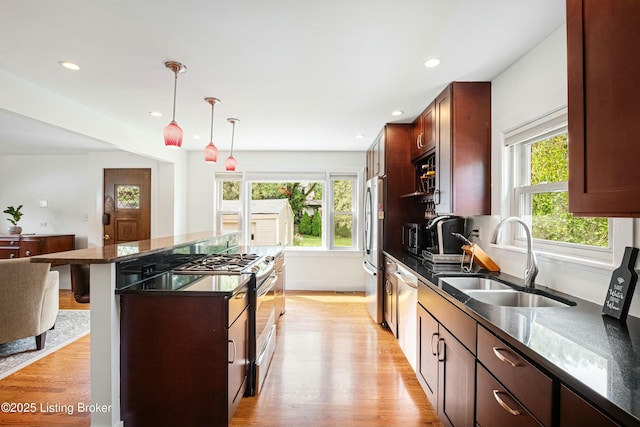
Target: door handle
{"x": 232, "y": 361}
{"x": 434, "y": 335}
{"x": 107, "y": 237}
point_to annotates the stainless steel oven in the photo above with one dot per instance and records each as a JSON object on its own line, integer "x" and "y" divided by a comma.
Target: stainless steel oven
{"x": 262, "y": 315}
{"x": 265, "y": 329}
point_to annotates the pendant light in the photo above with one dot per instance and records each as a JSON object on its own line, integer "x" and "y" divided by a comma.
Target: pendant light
{"x": 173, "y": 132}
{"x": 230, "y": 163}
{"x": 211, "y": 151}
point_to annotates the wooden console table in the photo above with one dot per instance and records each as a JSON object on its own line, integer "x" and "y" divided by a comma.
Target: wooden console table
{"x": 26, "y": 245}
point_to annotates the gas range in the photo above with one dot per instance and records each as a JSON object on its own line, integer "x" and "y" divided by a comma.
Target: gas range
{"x": 220, "y": 264}
{"x": 261, "y": 266}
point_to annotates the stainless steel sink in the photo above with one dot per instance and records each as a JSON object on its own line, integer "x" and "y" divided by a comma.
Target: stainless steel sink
{"x": 464, "y": 283}
{"x": 514, "y": 298}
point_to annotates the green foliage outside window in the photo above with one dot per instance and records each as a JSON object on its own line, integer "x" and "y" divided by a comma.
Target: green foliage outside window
{"x": 305, "y": 224}
{"x": 551, "y": 219}
{"x": 316, "y": 224}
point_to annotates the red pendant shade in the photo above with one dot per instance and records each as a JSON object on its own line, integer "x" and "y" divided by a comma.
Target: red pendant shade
{"x": 173, "y": 135}
{"x": 230, "y": 163}
{"x": 210, "y": 153}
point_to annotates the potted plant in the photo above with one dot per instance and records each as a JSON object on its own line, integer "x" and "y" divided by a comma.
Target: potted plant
{"x": 14, "y": 218}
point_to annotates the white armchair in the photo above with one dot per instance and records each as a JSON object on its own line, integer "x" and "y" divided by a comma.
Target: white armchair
{"x": 28, "y": 300}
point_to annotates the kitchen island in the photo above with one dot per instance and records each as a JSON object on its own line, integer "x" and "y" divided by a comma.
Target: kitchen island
{"x": 571, "y": 365}
{"x": 105, "y": 307}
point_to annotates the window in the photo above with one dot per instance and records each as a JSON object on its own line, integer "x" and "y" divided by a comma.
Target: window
{"x": 305, "y": 210}
{"x": 286, "y": 213}
{"x": 343, "y": 212}
{"x": 539, "y": 151}
{"x": 228, "y": 203}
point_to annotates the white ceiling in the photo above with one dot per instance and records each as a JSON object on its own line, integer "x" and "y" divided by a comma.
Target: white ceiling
{"x": 299, "y": 74}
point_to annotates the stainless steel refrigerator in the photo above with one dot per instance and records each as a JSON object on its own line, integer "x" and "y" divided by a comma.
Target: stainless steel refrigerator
{"x": 373, "y": 266}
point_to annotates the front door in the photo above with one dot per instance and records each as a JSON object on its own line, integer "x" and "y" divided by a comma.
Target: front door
{"x": 127, "y": 205}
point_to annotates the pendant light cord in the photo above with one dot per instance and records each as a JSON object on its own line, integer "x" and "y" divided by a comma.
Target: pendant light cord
{"x": 175, "y": 87}
{"x": 233, "y": 132}
{"x": 211, "y": 135}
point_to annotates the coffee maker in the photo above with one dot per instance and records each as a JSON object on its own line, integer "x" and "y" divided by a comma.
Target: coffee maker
{"x": 440, "y": 238}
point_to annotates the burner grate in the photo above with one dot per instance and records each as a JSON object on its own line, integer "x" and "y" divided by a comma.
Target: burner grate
{"x": 225, "y": 263}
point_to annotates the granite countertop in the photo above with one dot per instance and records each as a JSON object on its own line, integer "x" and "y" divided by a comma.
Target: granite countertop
{"x": 124, "y": 251}
{"x": 188, "y": 285}
{"x": 594, "y": 354}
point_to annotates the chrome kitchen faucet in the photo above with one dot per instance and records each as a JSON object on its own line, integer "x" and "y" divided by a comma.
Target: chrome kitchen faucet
{"x": 531, "y": 269}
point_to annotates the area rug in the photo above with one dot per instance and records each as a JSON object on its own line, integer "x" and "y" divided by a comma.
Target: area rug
{"x": 70, "y": 325}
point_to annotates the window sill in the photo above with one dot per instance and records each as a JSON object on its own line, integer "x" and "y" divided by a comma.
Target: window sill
{"x": 560, "y": 259}
{"x": 322, "y": 252}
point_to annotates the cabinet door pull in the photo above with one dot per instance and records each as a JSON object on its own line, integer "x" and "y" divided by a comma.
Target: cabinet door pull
{"x": 234, "y": 352}
{"x": 434, "y": 335}
{"x": 500, "y": 356}
{"x": 441, "y": 354}
{"x": 501, "y": 402}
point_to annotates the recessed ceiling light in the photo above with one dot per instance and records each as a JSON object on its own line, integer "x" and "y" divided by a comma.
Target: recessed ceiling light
{"x": 397, "y": 113}
{"x": 155, "y": 113}
{"x": 359, "y": 136}
{"x": 433, "y": 62}
{"x": 196, "y": 136}
{"x": 69, "y": 65}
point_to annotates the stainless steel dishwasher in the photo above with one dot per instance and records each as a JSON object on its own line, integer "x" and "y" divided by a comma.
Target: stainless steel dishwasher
{"x": 407, "y": 313}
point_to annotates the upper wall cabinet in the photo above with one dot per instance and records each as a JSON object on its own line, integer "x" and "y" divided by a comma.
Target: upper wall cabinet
{"x": 462, "y": 114}
{"x": 424, "y": 133}
{"x": 604, "y": 107}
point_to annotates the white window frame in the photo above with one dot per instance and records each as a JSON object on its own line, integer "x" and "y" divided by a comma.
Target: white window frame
{"x": 353, "y": 212}
{"x": 248, "y": 178}
{"x": 546, "y": 126}
{"x": 217, "y": 201}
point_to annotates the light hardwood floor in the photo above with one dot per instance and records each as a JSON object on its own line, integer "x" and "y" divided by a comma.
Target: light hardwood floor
{"x": 333, "y": 366}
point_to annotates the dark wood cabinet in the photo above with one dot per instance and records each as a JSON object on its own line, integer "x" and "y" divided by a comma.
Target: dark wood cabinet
{"x": 184, "y": 358}
{"x": 26, "y": 245}
{"x": 520, "y": 378}
{"x": 496, "y": 407}
{"x": 463, "y": 149}
{"x": 389, "y": 157}
{"x": 446, "y": 368}
{"x": 427, "y": 357}
{"x": 575, "y": 411}
{"x": 456, "y": 383}
{"x": 376, "y": 157}
{"x": 424, "y": 133}
{"x": 604, "y": 104}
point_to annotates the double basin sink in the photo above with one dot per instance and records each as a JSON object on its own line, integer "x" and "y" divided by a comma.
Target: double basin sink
{"x": 489, "y": 290}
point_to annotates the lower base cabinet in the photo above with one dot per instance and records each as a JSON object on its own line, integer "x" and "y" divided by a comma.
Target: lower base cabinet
{"x": 496, "y": 407}
{"x": 456, "y": 389}
{"x": 446, "y": 371}
{"x": 575, "y": 411}
{"x": 184, "y": 360}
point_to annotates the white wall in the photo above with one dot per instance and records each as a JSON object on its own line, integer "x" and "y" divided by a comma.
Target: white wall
{"x": 72, "y": 186}
{"x": 533, "y": 86}
{"x": 307, "y": 269}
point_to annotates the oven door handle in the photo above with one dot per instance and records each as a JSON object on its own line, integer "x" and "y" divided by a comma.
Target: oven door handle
{"x": 263, "y": 290}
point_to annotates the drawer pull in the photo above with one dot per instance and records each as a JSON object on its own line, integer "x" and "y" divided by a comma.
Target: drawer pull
{"x": 500, "y": 356}
{"x": 501, "y": 402}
